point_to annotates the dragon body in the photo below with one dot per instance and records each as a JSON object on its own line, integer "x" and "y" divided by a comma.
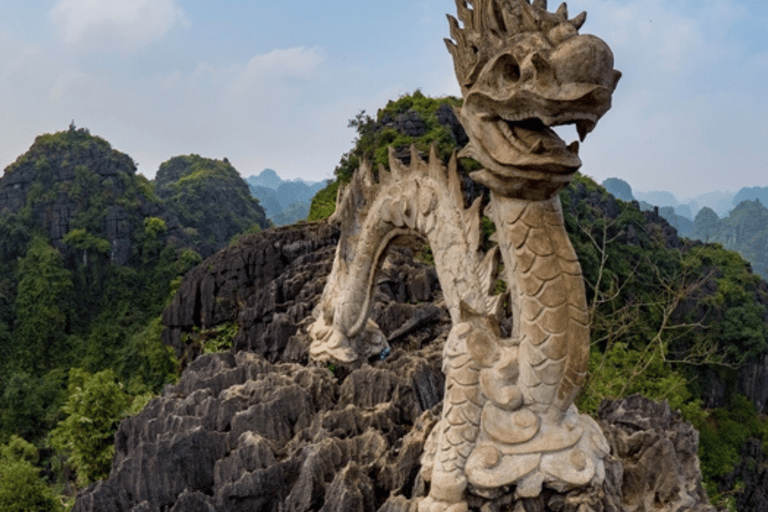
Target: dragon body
{"x": 423, "y": 200}
{"x": 508, "y": 417}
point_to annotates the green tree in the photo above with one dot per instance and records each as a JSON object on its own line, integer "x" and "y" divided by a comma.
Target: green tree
{"x": 146, "y": 358}
{"x": 30, "y": 405}
{"x": 85, "y": 437}
{"x": 21, "y": 488}
{"x": 42, "y": 299}
{"x": 82, "y": 240}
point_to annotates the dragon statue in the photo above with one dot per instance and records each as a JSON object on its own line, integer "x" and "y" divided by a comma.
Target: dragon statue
{"x": 508, "y": 418}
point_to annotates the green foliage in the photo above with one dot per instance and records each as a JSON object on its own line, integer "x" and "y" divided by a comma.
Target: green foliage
{"x": 215, "y": 339}
{"x": 85, "y": 437}
{"x": 146, "y": 358}
{"x": 324, "y": 203}
{"x": 30, "y": 405}
{"x": 73, "y": 301}
{"x": 722, "y": 433}
{"x": 149, "y": 240}
{"x": 735, "y": 317}
{"x": 21, "y": 488}
{"x": 375, "y": 136}
{"x": 84, "y": 241}
{"x": 72, "y": 145}
{"x": 665, "y": 320}
{"x": 621, "y": 371}
{"x": 210, "y": 198}
{"x": 44, "y": 290}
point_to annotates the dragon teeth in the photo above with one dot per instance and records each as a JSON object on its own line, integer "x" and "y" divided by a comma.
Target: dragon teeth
{"x": 514, "y": 141}
{"x": 505, "y": 129}
{"x": 583, "y": 128}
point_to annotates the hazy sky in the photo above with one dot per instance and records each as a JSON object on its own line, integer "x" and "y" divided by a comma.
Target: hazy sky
{"x": 273, "y": 84}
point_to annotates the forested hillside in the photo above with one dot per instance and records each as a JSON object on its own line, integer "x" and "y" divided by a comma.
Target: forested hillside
{"x": 210, "y": 199}
{"x": 90, "y": 253}
{"x": 744, "y": 230}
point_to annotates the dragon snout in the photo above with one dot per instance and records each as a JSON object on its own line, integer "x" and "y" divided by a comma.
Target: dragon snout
{"x": 585, "y": 59}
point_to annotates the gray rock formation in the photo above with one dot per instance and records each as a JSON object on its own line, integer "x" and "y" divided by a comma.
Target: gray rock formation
{"x": 261, "y": 429}
{"x": 658, "y": 454}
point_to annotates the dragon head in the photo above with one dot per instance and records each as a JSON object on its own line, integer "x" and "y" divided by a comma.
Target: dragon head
{"x": 523, "y": 70}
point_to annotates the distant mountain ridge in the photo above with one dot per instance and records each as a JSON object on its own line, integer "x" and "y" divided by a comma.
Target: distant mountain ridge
{"x": 284, "y": 201}
{"x": 737, "y": 221}
{"x": 720, "y": 202}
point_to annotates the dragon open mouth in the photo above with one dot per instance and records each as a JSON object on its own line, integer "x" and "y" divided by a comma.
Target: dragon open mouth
{"x": 528, "y": 141}
{"x": 532, "y": 136}
{"x": 522, "y": 153}
{"x": 523, "y": 72}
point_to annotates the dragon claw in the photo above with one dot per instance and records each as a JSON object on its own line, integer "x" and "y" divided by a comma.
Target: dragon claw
{"x": 430, "y": 504}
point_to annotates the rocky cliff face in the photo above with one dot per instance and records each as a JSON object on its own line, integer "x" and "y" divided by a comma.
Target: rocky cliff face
{"x": 261, "y": 428}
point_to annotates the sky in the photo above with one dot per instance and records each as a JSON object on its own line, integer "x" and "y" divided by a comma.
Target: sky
{"x": 274, "y": 84}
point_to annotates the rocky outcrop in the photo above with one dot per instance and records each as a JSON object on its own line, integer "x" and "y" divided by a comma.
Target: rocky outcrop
{"x": 267, "y": 272}
{"x": 270, "y": 282}
{"x": 239, "y": 433}
{"x": 658, "y": 454}
{"x": 262, "y": 429}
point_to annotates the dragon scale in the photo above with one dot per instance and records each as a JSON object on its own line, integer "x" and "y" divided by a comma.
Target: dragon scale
{"x": 552, "y": 322}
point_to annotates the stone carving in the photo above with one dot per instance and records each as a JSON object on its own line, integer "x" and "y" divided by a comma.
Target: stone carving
{"x": 423, "y": 199}
{"x": 508, "y": 417}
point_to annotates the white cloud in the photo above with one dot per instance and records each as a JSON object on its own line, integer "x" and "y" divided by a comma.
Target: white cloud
{"x": 280, "y": 67}
{"x": 123, "y": 24}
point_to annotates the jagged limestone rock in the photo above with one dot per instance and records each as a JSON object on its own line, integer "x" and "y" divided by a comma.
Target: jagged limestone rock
{"x": 246, "y": 430}
{"x": 508, "y": 418}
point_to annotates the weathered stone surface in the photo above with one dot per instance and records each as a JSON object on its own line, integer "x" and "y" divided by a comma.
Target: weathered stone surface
{"x": 658, "y": 451}
{"x": 522, "y": 70}
{"x": 239, "y": 433}
{"x": 272, "y": 273}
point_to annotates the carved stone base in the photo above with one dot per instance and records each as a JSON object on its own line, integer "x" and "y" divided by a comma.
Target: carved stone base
{"x": 523, "y": 451}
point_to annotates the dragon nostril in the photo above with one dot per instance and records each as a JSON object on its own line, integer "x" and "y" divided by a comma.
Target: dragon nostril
{"x": 508, "y": 69}
{"x": 512, "y": 72}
